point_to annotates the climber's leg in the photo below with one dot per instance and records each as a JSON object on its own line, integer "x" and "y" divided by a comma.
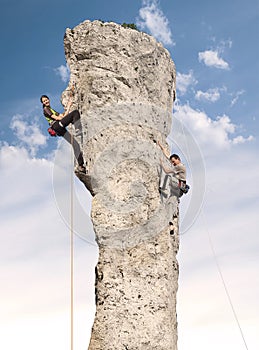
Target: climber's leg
{"x": 163, "y": 180}
{"x": 74, "y": 118}
{"x": 77, "y": 151}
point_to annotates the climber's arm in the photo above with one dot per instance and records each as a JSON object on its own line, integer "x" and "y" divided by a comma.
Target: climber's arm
{"x": 166, "y": 169}
{"x": 57, "y": 117}
{"x": 67, "y": 107}
{"x": 164, "y": 150}
{"x": 69, "y": 102}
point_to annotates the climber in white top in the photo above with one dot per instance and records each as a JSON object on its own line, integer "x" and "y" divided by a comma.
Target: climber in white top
{"x": 172, "y": 182}
{"x": 178, "y": 169}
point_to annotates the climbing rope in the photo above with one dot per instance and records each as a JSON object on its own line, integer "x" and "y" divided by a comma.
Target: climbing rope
{"x": 72, "y": 247}
{"x": 71, "y": 92}
{"x": 213, "y": 251}
{"x": 223, "y": 281}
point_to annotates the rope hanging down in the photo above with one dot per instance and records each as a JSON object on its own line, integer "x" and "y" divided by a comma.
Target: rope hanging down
{"x": 223, "y": 282}
{"x": 72, "y": 235}
{"x": 72, "y": 248}
{"x": 215, "y": 256}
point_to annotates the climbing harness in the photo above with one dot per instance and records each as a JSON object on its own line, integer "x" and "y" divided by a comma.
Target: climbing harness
{"x": 184, "y": 187}
{"x": 52, "y": 132}
{"x": 51, "y": 121}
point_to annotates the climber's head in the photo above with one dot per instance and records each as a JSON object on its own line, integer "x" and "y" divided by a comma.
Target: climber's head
{"x": 44, "y": 100}
{"x": 175, "y": 159}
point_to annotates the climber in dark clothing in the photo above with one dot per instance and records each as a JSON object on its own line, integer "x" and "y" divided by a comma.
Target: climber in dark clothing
{"x": 58, "y": 122}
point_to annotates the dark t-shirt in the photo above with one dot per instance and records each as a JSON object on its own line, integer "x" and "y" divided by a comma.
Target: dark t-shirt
{"x": 48, "y": 111}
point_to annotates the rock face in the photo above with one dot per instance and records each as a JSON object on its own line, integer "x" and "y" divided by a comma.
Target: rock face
{"x": 124, "y": 88}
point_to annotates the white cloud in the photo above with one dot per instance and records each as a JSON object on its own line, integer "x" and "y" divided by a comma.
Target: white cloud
{"x": 34, "y": 248}
{"x": 153, "y": 19}
{"x": 214, "y": 134}
{"x": 229, "y": 212}
{"x": 211, "y": 95}
{"x": 184, "y": 81}
{"x": 225, "y": 44}
{"x": 35, "y": 256}
{"x": 236, "y": 97}
{"x": 211, "y": 59}
{"x": 29, "y": 134}
{"x": 63, "y": 72}
{"x": 242, "y": 139}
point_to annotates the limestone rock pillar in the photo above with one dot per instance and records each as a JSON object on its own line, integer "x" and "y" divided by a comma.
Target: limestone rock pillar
{"x": 124, "y": 87}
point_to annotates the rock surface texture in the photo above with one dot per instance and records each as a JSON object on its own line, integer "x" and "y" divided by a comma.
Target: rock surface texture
{"x": 124, "y": 87}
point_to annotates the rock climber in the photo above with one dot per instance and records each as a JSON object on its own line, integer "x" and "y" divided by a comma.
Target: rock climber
{"x": 58, "y": 122}
{"x": 177, "y": 169}
{"x": 172, "y": 186}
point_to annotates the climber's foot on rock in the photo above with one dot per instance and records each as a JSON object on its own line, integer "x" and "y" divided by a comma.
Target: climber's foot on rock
{"x": 81, "y": 169}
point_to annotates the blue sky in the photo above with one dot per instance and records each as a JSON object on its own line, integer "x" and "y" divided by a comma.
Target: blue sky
{"x": 215, "y": 48}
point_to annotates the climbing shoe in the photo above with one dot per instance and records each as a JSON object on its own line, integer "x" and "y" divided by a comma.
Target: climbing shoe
{"x": 81, "y": 169}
